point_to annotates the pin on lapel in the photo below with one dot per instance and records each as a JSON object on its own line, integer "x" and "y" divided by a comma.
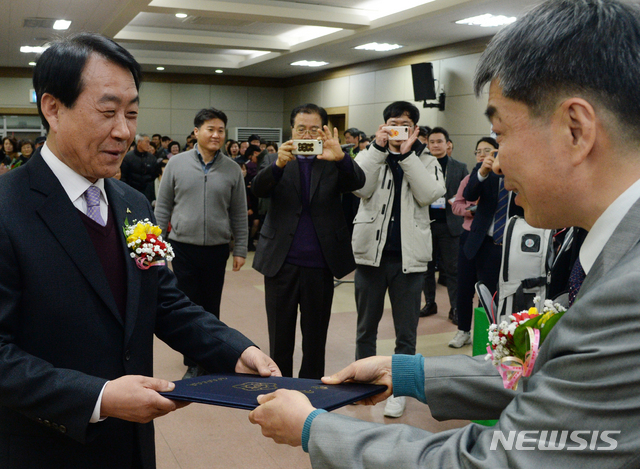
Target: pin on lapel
{"x": 128, "y": 211}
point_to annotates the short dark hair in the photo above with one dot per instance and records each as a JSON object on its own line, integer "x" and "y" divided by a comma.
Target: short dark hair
{"x": 424, "y": 131}
{"x": 40, "y": 139}
{"x": 253, "y": 137}
{"x": 557, "y": 48}
{"x": 439, "y": 130}
{"x": 14, "y": 143}
{"x": 399, "y": 109}
{"x": 273, "y": 144}
{"x": 59, "y": 69}
{"x": 205, "y": 115}
{"x": 251, "y": 149}
{"x": 490, "y": 140}
{"x": 26, "y": 141}
{"x": 352, "y": 131}
{"x": 173, "y": 142}
{"x": 165, "y": 138}
{"x": 157, "y": 135}
{"x": 310, "y": 108}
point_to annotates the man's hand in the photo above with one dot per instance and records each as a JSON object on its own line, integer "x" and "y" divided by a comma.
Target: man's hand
{"x": 374, "y": 370}
{"x": 281, "y": 415}
{"x": 487, "y": 165}
{"x": 284, "y": 154}
{"x": 136, "y": 399}
{"x": 408, "y": 143}
{"x": 382, "y": 136}
{"x": 238, "y": 262}
{"x": 331, "y": 149}
{"x": 254, "y": 361}
{"x": 3, "y": 168}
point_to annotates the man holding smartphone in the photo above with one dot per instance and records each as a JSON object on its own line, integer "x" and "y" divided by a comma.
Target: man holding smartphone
{"x": 304, "y": 242}
{"x": 392, "y": 234}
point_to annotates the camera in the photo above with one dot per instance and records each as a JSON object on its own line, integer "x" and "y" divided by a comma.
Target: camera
{"x": 307, "y": 147}
{"x": 397, "y": 132}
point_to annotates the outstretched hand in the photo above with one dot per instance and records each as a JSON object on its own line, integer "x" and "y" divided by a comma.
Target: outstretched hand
{"x": 374, "y": 370}
{"x": 281, "y": 415}
{"x": 255, "y": 361}
{"x": 331, "y": 149}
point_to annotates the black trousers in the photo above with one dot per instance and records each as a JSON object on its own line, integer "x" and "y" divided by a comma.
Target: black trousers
{"x": 448, "y": 247}
{"x": 200, "y": 272}
{"x": 312, "y": 290}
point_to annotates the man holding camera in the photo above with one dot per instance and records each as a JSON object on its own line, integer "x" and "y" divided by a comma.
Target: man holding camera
{"x": 392, "y": 234}
{"x": 304, "y": 242}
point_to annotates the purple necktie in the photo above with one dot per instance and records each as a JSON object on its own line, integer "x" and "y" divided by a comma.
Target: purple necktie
{"x": 575, "y": 280}
{"x": 92, "y": 196}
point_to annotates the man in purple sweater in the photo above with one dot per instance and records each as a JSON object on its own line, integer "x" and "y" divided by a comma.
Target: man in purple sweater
{"x": 305, "y": 240}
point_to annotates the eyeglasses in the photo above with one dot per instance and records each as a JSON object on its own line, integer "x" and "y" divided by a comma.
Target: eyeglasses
{"x": 313, "y": 131}
{"x": 486, "y": 151}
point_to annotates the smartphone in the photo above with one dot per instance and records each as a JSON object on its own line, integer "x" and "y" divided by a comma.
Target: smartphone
{"x": 307, "y": 147}
{"x": 397, "y": 132}
{"x": 472, "y": 208}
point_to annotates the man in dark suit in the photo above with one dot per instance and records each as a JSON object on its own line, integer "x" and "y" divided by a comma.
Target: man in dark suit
{"x": 484, "y": 243}
{"x": 77, "y": 315}
{"x": 304, "y": 242}
{"x": 446, "y": 227}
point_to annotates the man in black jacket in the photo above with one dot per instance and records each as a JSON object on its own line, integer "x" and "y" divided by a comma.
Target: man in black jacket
{"x": 140, "y": 168}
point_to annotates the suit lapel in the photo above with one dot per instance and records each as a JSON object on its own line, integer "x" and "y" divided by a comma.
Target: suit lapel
{"x": 119, "y": 209}
{"x": 63, "y": 220}
{"x": 625, "y": 237}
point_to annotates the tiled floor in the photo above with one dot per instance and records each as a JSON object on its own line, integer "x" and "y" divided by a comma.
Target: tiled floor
{"x": 202, "y": 436}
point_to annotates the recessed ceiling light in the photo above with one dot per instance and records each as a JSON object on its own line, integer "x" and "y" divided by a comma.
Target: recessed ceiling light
{"x": 61, "y": 25}
{"x": 33, "y": 64}
{"x": 378, "y": 47}
{"x": 181, "y": 15}
{"x": 309, "y": 63}
{"x": 219, "y": 71}
{"x": 488, "y": 20}
{"x": 34, "y": 50}
{"x": 160, "y": 68}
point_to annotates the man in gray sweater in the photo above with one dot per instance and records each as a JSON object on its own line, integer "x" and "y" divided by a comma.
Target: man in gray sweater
{"x": 202, "y": 195}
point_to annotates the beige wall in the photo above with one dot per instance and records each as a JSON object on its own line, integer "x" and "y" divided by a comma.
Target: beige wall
{"x": 367, "y": 94}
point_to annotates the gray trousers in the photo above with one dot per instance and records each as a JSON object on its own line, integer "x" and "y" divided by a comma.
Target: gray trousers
{"x": 371, "y": 284}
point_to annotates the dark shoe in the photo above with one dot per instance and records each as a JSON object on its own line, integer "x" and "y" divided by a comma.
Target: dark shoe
{"x": 193, "y": 372}
{"x": 429, "y": 310}
{"x": 453, "y": 316}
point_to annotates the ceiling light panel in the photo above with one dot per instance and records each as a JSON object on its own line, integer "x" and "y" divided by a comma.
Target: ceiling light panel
{"x": 488, "y": 20}
{"x": 378, "y": 47}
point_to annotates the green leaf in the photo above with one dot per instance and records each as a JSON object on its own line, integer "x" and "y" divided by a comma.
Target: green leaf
{"x": 546, "y": 327}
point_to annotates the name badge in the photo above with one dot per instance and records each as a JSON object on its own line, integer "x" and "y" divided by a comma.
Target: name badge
{"x": 440, "y": 203}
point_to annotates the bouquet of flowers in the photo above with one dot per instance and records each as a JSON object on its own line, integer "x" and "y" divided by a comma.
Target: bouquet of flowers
{"x": 513, "y": 346}
{"x": 147, "y": 247}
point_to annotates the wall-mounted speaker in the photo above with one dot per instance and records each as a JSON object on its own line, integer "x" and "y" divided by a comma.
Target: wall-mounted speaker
{"x": 423, "y": 84}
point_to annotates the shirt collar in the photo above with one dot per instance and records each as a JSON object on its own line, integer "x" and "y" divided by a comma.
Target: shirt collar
{"x": 606, "y": 224}
{"x": 73, "y": 183}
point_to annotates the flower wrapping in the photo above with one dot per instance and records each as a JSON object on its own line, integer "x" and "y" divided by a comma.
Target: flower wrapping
{"x": 513, "y": 346}
{"x": 148, "y": 248}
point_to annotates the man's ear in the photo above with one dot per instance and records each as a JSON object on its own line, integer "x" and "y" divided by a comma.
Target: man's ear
{"x": 50, "y": 108}
{"x": 580, "y": 120}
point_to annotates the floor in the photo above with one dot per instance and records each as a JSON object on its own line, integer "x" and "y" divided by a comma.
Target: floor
{"x": 201, "y": 436}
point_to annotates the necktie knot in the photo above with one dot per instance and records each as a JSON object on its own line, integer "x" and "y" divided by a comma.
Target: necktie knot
{"x": 92, "y": 197}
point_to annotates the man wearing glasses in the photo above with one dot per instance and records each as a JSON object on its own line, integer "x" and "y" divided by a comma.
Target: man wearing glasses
{"x": 392, "y": 234}
{"x": 305, "y": 241}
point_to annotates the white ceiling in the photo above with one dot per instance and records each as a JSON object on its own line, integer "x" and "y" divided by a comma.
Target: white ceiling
{"x": 257, "y": 38}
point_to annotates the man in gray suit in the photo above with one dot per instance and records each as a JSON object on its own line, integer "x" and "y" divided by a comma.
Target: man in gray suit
{"x": 564, "y": 105}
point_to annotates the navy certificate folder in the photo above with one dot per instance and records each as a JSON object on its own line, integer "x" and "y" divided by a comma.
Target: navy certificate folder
{"x": 241, "y": 391}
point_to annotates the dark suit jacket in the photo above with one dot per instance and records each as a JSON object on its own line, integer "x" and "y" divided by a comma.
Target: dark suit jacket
{"x": 276, "y": 235}
{"x": 456, "y": 172}
{"x": 61, "y": 336}
{"x": 487, "y": 193}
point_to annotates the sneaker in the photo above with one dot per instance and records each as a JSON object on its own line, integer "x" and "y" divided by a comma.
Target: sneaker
{"x": 429, "y": 310}
{"x": 461, "y": 338}
{"x": 395, "y": 406}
